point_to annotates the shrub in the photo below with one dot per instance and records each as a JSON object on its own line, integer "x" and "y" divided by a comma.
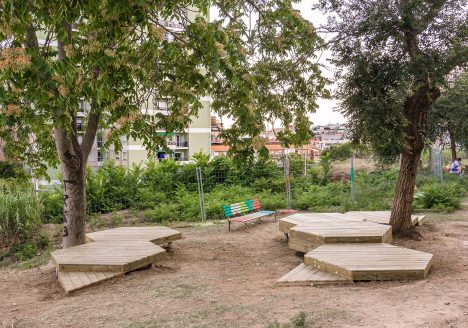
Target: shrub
{"x": 439, "y": 196}
{"x": 20, "y": 212}
{"x": 52, "y": 204}
{"x": 162, "y": 212}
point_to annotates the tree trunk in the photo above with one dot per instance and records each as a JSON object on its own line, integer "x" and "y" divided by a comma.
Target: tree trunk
{"x": 453, "y": 146}
{"x": 400, "y": 219}
{"x": 74, "y": 205}
{"x": 415, "y": 110}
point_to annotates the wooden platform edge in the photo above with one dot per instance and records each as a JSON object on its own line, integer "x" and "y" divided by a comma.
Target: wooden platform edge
{"x": 69, "y": 291}
{"x": 304, "y": 275}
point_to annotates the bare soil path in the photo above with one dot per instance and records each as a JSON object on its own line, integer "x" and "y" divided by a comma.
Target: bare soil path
{"x": 213, "y": 278}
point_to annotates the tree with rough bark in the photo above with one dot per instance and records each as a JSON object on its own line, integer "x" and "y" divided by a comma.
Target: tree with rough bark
{"x": 393, "y": 58}
{"x": 448, "y": 116}
{"x": 116, "y": 56}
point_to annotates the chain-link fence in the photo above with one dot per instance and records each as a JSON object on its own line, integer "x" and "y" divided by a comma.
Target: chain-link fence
{"x": 171, "y": 191}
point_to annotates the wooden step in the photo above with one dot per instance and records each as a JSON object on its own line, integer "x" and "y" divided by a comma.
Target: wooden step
{"x": 305, "y": 275}
{"x": 108, "y": 256}
{"x": 307, "y": 236}
{"x": 370, "y": 261}
{"x": 74, "y": 280}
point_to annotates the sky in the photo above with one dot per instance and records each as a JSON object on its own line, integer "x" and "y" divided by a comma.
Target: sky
{"x": 327, "y": 108}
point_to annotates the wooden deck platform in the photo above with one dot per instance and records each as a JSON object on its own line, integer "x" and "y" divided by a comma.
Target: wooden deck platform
{"x": 370, "y": 261}
{"x": 111, "y": 253}
{"x": 307, "y": 236}
{"x": 286, "y": 223}
{"x": 349, "y": 247}
{"x": 382, "y": 217}
{"x": 157, "y": 235}
{"x": 105, "y": 256}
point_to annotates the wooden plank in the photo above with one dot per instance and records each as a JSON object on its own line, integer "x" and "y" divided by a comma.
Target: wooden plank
{"x": 72, "y": 281}
{"x": 304, "y": 275}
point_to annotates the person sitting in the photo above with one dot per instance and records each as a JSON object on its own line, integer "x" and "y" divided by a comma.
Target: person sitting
{"x": 456, "y": 167}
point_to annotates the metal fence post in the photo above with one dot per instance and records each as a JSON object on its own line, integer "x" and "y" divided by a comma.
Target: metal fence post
{"x": 305, "y": 164}
{"x": 287, "y": 172}
{"x": 351, "y": 175}
{"x": 201, "y": 197}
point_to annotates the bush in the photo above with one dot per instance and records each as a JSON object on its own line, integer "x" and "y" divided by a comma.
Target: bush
{"x": 162, "y": 212}
{"x": 20, "y": 213}
{"x": 439, "y": 196}
{"x": 52, "y": 203}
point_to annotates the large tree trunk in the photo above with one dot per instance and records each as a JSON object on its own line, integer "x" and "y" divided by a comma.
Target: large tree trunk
{"x": 400, "y": 219}
{"x": 453, "y": 146}
{"x": 74, "y": 205}
{"x": 416, "y": 109}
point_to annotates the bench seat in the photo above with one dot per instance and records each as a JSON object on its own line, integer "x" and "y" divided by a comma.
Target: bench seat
{"x": 245, "y": 212}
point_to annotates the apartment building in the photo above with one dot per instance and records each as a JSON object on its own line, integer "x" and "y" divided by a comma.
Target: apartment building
{"x": 330, "y": 134}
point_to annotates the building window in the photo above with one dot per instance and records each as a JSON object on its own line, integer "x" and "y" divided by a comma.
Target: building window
{"x": 124, "y": 155}
{"x": 100, "y": 156}
{"x": 99, "y": 140}
{"x": 79, "y": 126}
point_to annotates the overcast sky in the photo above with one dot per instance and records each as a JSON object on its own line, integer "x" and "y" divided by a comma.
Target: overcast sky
{"x": 327, "y": 111}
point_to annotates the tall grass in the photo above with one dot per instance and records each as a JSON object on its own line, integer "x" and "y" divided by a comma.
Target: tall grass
{"x": 20, "y": 214}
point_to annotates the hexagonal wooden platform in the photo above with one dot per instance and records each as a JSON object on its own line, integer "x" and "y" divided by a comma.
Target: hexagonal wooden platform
{"x": 349, "y": 247}
{"x": 156, "y": 235}
{"x": 370, "y": 261}
{"x": 382, "y": 217}
{"x": 286, "y": 223}
{"x": 111, "y": 253}
{"x": 105, "y": 256}
{"x": 306, "y": 236}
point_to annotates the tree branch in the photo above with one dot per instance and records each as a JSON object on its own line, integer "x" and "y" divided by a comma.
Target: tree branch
{"x": 90, "y": 135}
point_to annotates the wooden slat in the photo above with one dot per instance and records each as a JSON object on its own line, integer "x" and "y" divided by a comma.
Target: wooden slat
{"x": 72, "y": 281}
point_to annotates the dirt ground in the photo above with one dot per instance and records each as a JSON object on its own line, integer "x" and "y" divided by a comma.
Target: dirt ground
{"x": 216, "y": 278}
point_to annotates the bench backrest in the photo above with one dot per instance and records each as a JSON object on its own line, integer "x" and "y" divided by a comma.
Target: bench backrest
{"x": 250, "y": 205}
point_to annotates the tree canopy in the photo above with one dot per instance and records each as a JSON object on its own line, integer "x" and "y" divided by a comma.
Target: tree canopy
{"x": 119, "y": 56}
{"x": 389, "y": 51}
{"x": 449, "y": 114}
{"x": 115, "y": 56}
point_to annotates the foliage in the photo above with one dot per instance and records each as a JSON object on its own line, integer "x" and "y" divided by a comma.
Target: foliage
{"x": 11, "y": 170}
{"x": 450, "y": 113}
{"x": 334, "y": 153}
{"x": 55, "y": 56}
{"x": 20, "y": 213}
{"x": 391, "y": 55}
{"x": 52, "y": 202}
{"x": 439, "y": 196}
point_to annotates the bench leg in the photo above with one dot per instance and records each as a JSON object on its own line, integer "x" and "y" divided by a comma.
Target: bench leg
{"x": 286, "y": 236}
{"x": 229, "y": 225}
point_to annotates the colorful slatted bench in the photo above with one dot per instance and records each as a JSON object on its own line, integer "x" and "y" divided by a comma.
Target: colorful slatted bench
{"x": 245, "y": 212}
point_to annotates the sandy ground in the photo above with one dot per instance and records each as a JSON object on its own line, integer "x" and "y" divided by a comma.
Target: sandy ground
{"x": 213, "y": 278}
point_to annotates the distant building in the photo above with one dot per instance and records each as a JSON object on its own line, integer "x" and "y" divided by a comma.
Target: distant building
{"x": 328, "y": 135}
{"x": 275, "y": 149}
{"x": 216, "y": 130}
